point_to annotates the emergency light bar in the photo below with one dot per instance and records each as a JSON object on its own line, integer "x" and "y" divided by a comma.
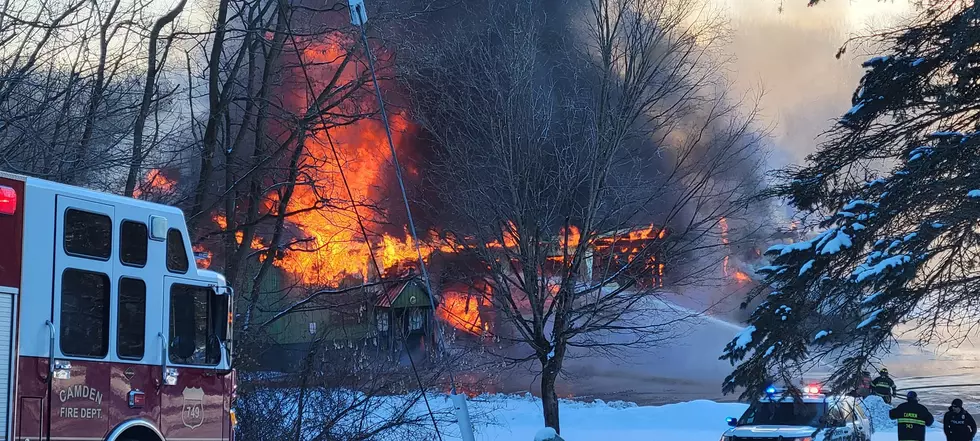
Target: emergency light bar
{"x": 810, "y": 389}
{"x": 8, "y": 200}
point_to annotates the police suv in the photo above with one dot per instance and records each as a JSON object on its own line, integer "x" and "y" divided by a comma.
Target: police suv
{"x": 806, "y": 416}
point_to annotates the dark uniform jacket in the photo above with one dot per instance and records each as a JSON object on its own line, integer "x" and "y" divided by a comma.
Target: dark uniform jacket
{"x": 913, "y": 418}
{"x": 959, "y": 426}
{"x": 884, "y": 387}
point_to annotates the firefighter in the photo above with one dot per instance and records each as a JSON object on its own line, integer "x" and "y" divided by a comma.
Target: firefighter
{"x": 958, "y": 424}
{"x": 883, "y": 386}
{"x": 913, "y": 418}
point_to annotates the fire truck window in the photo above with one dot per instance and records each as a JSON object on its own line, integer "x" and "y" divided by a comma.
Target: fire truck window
{"x": 88, "y": 234}
{"x": 132, "y": 319}
{"x": 84, "y": 313}
{"x": 133, "y": 242}
{"x": 218, "y": 325}
{"x": 176, "y": 253}
{"x": 191, "y": 339}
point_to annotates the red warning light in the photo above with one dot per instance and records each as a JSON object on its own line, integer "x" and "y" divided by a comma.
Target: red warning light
{"x": 137, "y": 399}
{"x": 812, "y": 389}
{"x": 8, "y": 200}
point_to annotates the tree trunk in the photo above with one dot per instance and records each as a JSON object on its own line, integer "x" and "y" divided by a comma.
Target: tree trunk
{"x": 216, "y": 107}
{"x": 549, "y": 399}
{"x": 136, "y": 160}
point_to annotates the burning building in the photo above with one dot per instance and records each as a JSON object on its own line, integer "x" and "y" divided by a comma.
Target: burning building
{"x": 640, "y": 249}
{"x": 338, "y": 232}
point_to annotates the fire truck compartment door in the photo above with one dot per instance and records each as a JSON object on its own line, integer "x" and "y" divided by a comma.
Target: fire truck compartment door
{"x": 86, "y": 239}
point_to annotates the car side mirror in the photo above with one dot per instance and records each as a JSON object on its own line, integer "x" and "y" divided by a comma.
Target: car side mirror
{"x": 731, "y": 421}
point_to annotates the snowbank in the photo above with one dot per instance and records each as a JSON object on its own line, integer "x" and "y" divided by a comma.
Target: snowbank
{"x": 518, "y": 418}
{"x": 878, "y": 412}
{"x": 546, "y": 434}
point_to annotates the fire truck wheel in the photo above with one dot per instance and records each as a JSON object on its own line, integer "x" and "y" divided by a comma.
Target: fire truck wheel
{"x": 138, "y": 433}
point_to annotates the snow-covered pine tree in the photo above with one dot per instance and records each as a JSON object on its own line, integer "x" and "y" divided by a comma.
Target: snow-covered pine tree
{"x": 896, "y": 194}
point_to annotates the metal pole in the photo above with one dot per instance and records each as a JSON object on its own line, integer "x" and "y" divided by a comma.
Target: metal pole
{"x": 359, "y": 18}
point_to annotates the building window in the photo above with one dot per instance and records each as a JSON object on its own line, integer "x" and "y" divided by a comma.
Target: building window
{"x": 415, "y": 319}
{"x": 176, "y": 253}
{"x": 382, "y": 321}
{"x": 133, "y": 241}
{"x": 131, "y": 332}
{"x": 88, "y": 234}
{"x": 197, "y": 324}
{"x": 84, "y": 313}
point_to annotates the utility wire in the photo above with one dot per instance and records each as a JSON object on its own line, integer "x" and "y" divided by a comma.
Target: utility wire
{"x": 367, "y": 242}
{"x": 401, "y": 185}
{"x": 360, "y": 222}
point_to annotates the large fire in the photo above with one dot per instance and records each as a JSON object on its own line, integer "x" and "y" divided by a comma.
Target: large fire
{"x": 343, "y": 170}
{"x": 328, "y": 243}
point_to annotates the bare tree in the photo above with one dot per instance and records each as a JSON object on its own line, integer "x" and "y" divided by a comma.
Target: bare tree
{"x": 155, "y": 64}
{"x": 339, "y": 394}
{"x": 70, "y": 78}
{"x": 552, "y": 145}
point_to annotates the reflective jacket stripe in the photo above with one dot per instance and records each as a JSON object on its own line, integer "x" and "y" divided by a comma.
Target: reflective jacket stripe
{"x": 911, "y": 421}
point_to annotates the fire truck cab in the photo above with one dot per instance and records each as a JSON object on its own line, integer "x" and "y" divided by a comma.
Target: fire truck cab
{"x": 108, "y": 330}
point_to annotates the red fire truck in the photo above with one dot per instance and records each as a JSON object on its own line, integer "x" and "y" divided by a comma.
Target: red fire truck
{"x": 108, "y": 330}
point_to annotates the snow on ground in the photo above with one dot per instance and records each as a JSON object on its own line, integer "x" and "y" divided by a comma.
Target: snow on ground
{"x": 518, "y": 418}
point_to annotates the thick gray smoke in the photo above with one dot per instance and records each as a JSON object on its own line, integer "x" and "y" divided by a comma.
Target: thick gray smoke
{"x": 561, "y": 40}
{"x": 789, "y": 55}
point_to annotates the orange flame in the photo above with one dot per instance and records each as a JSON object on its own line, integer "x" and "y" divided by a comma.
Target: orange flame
{"x": 155, "y": 184}
{"x": 572, "y": 236}
{"x": 741, "y": 277}
{"x": 620, "y": 249}
{"x": 202, "y": 256}
{"x": 461, "y": 311}
{"x": 648, "y": 233}
{"x": 222, "y": 222}
{"x": 738, "y": 275}
{"x": 327, "y": 244}
{"x": 509, "y": 236}
{"x": 335, "y": 246}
